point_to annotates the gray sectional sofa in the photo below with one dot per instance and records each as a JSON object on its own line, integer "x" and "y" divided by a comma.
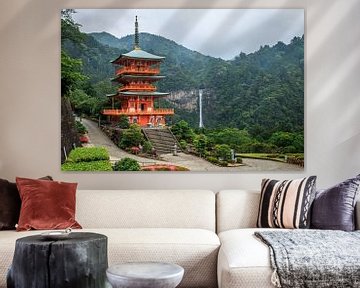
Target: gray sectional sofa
{"x": 209, "y": 234}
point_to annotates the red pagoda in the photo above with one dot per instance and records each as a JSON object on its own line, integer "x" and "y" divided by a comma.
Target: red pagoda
{"x": 136, "y": 73}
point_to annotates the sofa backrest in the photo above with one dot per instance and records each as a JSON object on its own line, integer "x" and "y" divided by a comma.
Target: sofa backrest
{"x": 236, "y": 209}
{"x": 146, "y": 209}
{"x": 239, "y": 209}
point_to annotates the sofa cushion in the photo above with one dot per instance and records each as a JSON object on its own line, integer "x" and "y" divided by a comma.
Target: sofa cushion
{"x": 46, "y": 204}
{"x": 286, "y": 204}
{"x": 153, "y": 209}
{"x": 196, "y": 250}
{"x": 244, "y": 261}
{"x": 334, "y": 208}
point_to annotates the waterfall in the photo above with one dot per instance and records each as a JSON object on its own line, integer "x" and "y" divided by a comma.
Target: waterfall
{"x": 201, "y": 124}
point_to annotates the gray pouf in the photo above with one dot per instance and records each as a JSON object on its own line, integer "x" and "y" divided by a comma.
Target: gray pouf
{"x": 145, "y": 275}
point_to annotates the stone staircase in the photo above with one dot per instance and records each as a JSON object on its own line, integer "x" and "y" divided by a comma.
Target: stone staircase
{"x": 162, "y": 139}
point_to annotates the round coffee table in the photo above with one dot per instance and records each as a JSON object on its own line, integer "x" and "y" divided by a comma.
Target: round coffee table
{"x": 145, "y": 275}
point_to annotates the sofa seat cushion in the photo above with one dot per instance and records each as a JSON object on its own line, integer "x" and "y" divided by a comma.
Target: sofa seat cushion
{"x": 244, "y": 261}
{"x": 196, "y": 250}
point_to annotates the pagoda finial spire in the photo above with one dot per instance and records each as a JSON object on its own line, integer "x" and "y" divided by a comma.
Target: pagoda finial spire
{"x": 136, "y": 44}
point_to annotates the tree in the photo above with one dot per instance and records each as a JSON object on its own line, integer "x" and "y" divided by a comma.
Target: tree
{"x": 288, "y": 142}
{"x": 183, "y": 131}
{"x": 71, "y": 75}
{"x": 223, "y": 151}
{"x": 132, "y": 137}
{"x": 70, "y": 29}
{"x": 200, "y": 143}
{"x": 79, "y": 100}
{"x": 233, "y": 137}
{"x": 104, "y": 87}
{"x": 298, "y": 142}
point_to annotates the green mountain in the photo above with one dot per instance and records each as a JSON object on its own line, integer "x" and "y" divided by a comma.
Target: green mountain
{"x": 262, "y": 92}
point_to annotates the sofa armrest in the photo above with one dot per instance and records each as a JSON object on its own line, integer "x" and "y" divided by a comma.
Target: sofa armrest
{"x": 357, "y": 215}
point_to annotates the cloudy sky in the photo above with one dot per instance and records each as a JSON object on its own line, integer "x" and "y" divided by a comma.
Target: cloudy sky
{"x": 220, "y": 33}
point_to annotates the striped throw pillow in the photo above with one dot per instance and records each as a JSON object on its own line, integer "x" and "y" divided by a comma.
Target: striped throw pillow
{"x": 286, "y": 204}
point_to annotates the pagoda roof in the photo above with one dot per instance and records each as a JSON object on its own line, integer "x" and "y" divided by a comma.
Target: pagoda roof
{"x": 138, "y": 54}
{"x": 125, "y": 77}
{"x": 139, "y": 93}
{"x": 143, "y": 93}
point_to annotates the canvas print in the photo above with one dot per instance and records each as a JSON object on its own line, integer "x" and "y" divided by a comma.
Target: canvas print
{"x": 182, "y": 90}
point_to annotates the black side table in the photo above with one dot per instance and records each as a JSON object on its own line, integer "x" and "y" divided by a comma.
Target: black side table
{"x": 78, "y": 261}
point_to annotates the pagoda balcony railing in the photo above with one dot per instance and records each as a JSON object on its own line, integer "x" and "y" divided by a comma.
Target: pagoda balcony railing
{"x": 145, "y": 87}
{"x": 140, "y": 70}
{"x": 117, "y": 112}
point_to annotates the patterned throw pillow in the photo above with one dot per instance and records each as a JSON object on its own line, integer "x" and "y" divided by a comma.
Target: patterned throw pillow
{"x": 286, "y": 204}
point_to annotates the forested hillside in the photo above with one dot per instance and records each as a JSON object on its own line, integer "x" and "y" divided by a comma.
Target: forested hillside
{"x": 261, "y": 92}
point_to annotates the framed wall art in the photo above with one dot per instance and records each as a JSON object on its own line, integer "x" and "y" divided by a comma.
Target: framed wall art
{"x": 182, "y": 90}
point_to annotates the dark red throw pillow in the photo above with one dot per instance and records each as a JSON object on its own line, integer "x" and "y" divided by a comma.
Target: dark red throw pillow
{"x": 46, "y": 204}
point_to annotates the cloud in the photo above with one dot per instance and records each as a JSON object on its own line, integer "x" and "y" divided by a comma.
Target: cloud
{"x": 220, "y": 33}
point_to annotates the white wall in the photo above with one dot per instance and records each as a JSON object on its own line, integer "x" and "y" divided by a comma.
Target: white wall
{"x": 30, "y": 94}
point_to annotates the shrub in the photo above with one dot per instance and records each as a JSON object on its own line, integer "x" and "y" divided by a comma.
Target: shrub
{"x": 212, "y": 159}
{"x": 123, "y": 122}
{"x": 87, "y": 154}
{"x": 80, "y": 128}
{"x": 259, "y": 147}
{"x": 223, "y": 163}
{"x": 183, "y": 145}
{"x": 289, "y": 149}
{"x": 87, "y": 166}
{"x": 116, "y": 134}
{"x": 180, "y": 168}
{"x": 164, "y": 167}
{"x": 127, "y": 164}
{"x": 301, "y": 157}
{"x": 147, "y": 147}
